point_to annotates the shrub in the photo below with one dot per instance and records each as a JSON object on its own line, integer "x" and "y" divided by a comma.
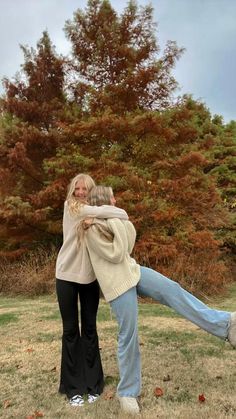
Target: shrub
{"x": 33, "y": 274}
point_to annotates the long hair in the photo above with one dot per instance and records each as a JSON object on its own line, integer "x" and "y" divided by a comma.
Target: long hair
{"x": 74, "y": 203}
{"x": 100, "y": 195}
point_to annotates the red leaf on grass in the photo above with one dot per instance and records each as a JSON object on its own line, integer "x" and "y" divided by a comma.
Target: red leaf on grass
{"x": 38, "y": 414}
{"x": 108, "y": 395}
{"x": 201, "y": 398}
{"x": 158, "y": 392}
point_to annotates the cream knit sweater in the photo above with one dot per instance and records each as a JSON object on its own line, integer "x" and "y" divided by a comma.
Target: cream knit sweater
{"x": 115, "y": 270}
{"x": 73, "y": 263}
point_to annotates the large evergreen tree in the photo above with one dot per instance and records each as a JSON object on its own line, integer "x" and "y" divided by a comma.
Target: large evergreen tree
{"x": 114, "y": 117}
{"x": 115, "y": 59}
{"x": 30, "y": 134}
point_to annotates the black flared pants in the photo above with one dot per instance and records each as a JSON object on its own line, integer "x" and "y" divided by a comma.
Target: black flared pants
{"x": 81, "y": 368}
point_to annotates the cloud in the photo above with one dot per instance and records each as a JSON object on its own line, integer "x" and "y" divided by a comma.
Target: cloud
{"x": 206, "y": 28}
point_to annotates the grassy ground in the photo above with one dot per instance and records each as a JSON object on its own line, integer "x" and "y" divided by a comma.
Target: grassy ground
{"x": 177, "y": 357}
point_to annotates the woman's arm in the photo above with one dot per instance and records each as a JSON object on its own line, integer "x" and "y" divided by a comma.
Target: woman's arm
{"x": 131, "y": 235}
{"x": 113, "y": 251}
{"x": 104, "y": 211}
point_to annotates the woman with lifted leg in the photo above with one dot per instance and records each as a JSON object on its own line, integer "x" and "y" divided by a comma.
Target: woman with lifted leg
{"x": 110, "y": 243}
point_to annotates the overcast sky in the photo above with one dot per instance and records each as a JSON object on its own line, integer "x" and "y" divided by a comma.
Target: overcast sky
{"x": 206, "y": 28}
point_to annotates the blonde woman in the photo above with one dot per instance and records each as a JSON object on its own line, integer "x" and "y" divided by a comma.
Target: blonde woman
{"x": 110, "y": 243}
{"x": 81, "y": 369}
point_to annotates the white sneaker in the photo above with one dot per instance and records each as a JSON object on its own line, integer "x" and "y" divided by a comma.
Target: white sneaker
{"x": 129, "y": 405}
{"x": 93, "y": 398}
{"x": 232, "y": 330}
{"x": 76, "y": 400}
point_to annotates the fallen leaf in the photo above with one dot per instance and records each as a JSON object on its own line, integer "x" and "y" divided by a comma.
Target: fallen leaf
{"x": 158, "y": 392}
{"x": 6, "y": 404}
{"x": 201, "y": 398}
{"x": 108, "y": 395}
{"x": 38, "y": 414}
{"x": 29, "y": 350}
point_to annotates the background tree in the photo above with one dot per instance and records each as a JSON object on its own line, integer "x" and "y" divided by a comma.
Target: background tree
{"x": 115, "y": 64}
{"x": 30, "y": 110}
{"x": 222, "y": 158}
{"x": 114, "y": 117}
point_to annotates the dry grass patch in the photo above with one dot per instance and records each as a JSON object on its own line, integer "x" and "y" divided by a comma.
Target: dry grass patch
{"x": 177, "y": 356}
{"x": 32, "y": 275}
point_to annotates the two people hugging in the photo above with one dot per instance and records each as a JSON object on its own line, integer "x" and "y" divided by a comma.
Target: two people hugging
{"x": 98, "y": 240}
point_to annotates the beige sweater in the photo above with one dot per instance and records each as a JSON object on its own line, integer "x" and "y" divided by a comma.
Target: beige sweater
{"x": 73, "y": 263}
{"x": 115, "y": 270}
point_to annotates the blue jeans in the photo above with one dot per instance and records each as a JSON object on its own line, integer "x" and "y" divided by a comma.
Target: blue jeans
{"x": 125, "y": 307}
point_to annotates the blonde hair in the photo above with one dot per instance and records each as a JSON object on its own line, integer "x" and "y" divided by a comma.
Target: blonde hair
{"x": 74, "y": 203}
{"x": 100, "y": 195}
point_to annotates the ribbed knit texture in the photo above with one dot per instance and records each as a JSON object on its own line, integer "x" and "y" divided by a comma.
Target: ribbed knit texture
{"x": 115, "y": 270}
{"x": 73, "y": 263}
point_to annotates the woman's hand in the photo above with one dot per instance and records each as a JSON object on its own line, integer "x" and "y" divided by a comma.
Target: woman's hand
{"x": 86, "y": 223}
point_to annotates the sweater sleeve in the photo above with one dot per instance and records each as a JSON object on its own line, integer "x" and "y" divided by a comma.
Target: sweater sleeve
{"x": 104, "y": 211}
{"x": 131, "y": 235}
{"x": 114, "y": 251}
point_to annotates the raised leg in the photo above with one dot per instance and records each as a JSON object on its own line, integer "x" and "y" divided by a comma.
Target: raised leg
{"x": 153, "y": 284}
